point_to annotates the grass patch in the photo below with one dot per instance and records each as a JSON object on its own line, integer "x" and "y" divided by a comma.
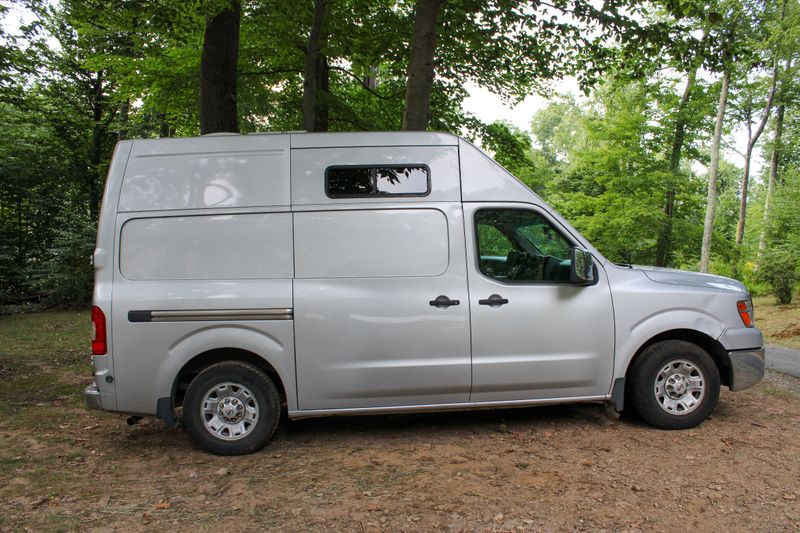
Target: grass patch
{"x": 777, "y": 392}
{"x": 56, "y": 337}
{"x": 779, "y": 323}
{"x": 44, "y": 356}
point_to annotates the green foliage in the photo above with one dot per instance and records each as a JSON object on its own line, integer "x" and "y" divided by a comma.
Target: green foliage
{"x": 131, "y": 68}
{"x": 66, "y": 274}
{"x": 780, "y": 266}
{"x": 611, "y": 157}
{"x": 780, "y": 271}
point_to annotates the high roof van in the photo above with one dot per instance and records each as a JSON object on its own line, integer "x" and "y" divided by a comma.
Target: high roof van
{"x": 246, "y": 278}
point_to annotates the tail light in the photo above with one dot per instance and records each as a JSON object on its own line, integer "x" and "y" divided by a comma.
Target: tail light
{"x": 745, "y": 308}
{"x": 99, "y": 344}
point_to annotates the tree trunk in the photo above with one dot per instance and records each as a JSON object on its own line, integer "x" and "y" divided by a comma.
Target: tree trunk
{"x": 218, "y": 72}
{"x": 420, "y": 66}
{"x": 745, "y": 181}
{"x": 664, "y": 242}
{"x": 96, "y": 149}
{"x": 315, "y": 73}
{"x": 713, "y": 172}
{"x": 164, "y": 129}
{"x": 749, "y": 153}
{"x": 774, "y": 162}
{"x": 124, "y": 109}
{"x": 323, "y": 72}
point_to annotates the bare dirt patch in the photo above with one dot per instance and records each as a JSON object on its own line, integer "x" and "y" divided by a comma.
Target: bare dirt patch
{"x": 562, "y": 468}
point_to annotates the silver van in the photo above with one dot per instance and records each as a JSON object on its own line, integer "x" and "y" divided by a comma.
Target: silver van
{"x": 249, "y": 277}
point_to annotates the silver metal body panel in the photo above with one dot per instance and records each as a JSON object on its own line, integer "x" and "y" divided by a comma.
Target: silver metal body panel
{"x": 104, "y": 263}
{"x": 377, "y": 341}
{"x": 219, "y": 172}
{"x": 644, "y": 308}
{"x": 149, "y": 355}
{"x": 200, "y": 247}
{"x": 372, "y": 243}
{"x": 335, "y": 294}
{"x": 741, "y": 338}
{"x": 373, "y": 138}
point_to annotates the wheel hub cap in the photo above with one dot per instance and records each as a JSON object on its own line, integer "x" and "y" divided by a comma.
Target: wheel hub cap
{"x": 229, "y": 411}
{"x": 676, "y": 386}
{"x": 679, "y": 387}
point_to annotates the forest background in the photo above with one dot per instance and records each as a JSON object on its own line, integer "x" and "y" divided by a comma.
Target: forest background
{"x": 637, "y": 163}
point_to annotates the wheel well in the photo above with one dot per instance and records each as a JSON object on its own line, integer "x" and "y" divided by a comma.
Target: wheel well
{"x": 202, "y": 361}
{"x": 714, "y": 349}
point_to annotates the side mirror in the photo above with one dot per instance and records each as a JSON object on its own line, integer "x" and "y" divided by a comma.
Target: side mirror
{"x": 581, "y": 270}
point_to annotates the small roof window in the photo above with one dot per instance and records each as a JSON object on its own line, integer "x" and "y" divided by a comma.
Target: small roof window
{"x": 358, "y": 181}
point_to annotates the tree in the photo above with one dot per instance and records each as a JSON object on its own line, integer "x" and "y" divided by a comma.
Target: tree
{"x": 713, "y": 174}
{"x": 787, "y": 45}
{"x": 774, "y": 163}
{"x": 752, "y": 139}
{"x": 218, "y": 71}
{"x": 316, "y": 72}
{"x": 664, "y": 242}
{"x": 421, "y": 65}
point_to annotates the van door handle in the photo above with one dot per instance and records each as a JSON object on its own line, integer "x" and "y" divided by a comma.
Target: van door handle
{"x": 443, "y": 302}
{"x": 495, "y": 300}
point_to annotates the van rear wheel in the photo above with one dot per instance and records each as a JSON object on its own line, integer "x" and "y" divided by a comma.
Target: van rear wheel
{"x": 674, "y": 384}
{"x": 231, "y": 408}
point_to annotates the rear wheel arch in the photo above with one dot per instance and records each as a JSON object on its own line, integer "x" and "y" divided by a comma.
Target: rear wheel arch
{"x": 203, "y": 360}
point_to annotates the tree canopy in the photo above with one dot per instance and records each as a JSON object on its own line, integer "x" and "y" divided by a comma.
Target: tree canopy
{"x": 626, "y": 160}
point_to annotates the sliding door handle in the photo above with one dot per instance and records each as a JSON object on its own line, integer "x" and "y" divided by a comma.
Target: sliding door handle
{"x": 443, "y": 302}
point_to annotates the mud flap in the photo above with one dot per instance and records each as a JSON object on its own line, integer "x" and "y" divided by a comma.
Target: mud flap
{"x": 618, "y": 395}
{"x": 166, "y": 411}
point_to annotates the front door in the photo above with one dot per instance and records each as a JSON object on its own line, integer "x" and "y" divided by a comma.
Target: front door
{"x": 534, "y": 334}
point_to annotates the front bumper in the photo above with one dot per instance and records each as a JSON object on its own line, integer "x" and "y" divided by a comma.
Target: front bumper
{"x": 92, "y": 396}
{"x": 747, "y": 368}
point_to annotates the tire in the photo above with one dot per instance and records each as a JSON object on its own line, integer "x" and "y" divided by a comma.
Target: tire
{"x": 231, "y": 408}
{"x": 674, "y": 385}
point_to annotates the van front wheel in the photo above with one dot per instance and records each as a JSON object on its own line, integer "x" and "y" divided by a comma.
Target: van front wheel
{"x": 674, "y": 384}
{"x": 231, "y": 408}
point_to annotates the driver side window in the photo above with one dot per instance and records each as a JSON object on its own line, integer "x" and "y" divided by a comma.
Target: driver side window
{"x": 520, "y": 246}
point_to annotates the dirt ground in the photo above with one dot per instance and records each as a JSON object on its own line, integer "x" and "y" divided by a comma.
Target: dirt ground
{"x": 565, "y": 468}
{"x": 547, "y": 469}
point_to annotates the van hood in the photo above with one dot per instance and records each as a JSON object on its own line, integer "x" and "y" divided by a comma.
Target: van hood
{"x": 672, "y": 276}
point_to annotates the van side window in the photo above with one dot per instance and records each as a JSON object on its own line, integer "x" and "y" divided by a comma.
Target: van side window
{"x": 517, "y": 245}
{"x": 355, "y": 181}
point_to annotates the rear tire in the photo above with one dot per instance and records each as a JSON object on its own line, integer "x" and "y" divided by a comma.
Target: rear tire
{"x": 231, "y": 408}
{"x": 674, "y": 385}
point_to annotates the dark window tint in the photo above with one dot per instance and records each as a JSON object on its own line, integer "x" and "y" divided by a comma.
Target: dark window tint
{"x": 521, "y": 246}
{"x": 377, "y": 181}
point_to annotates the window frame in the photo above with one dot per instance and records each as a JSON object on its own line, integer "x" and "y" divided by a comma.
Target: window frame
{"x": 375, "y": 194}
{"x": 477, "y": 245}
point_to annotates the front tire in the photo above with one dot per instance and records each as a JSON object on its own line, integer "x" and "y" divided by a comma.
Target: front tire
{"x": 674, "y": 384}
{"x": 231, "y": 408}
